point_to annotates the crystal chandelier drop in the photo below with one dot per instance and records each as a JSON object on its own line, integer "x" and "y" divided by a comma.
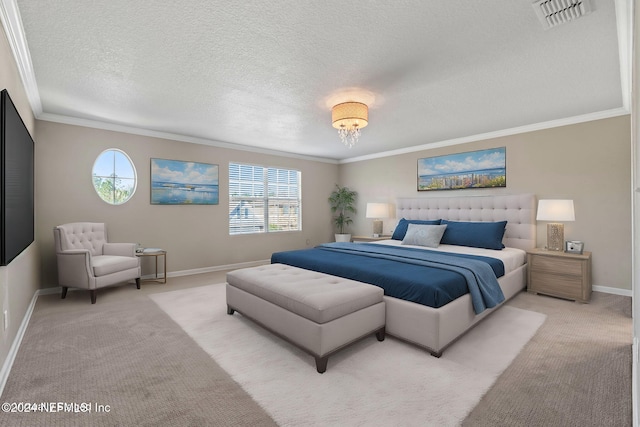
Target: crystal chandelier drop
{"x": 349, "y": 137}
{"x": 349, "y": 118}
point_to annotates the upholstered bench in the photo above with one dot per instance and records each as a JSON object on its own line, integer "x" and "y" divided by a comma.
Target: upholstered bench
{"x": 317, "y": 312}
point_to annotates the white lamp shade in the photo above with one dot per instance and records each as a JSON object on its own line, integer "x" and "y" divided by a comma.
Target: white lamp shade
{"x": 377, "y": 210}
{"x": 555, "y": 210}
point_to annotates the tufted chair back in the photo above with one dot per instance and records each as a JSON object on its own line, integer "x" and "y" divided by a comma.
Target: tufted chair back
{"x": 81, "y": 235}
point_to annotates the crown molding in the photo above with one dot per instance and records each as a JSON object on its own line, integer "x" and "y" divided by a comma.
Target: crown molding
{"x": 624, "y": 25}
{"x": 95, "y": 124}
{"x": 12, "y": 24}
{"x": 497, "y": 134}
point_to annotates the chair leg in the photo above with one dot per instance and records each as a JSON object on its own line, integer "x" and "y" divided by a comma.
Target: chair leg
{"x": 63, "y": 295}
{"x": 93, "y": 293}
{"x": 138, "y": 282}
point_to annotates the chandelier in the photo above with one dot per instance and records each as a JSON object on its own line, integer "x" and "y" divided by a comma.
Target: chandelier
{"x": 349, "y": 118}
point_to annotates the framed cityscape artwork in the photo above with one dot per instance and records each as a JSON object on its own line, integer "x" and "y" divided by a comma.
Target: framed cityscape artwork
{"x": 473, "y": 169}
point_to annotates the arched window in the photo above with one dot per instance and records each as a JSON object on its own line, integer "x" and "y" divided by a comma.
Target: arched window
{"x": 114, "y": 176}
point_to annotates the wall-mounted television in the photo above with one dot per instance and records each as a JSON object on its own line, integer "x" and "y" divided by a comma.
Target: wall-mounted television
{"x": 16, "y": 182}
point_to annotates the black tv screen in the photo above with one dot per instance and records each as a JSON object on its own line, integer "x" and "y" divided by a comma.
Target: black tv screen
{"x": 16, "y": 182}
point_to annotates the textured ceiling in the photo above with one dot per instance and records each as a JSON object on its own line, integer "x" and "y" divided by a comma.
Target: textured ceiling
{"x": 264, "y": 74}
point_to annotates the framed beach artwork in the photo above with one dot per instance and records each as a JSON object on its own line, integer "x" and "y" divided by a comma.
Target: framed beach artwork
{"x": 473, "y": 169}
{"x": 174, "y": 182}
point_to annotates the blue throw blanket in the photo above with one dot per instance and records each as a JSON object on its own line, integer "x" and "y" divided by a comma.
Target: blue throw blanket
{"x": 426, "y": 277}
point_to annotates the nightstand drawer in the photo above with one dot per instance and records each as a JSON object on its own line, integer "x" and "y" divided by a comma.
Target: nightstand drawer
{"x": 557, "y": 285}
{"x": 556, "y": 265}
{"x": 559, "y": 274}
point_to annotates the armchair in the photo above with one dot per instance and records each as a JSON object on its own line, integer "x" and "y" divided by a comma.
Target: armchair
{"x": 87, "y": 260}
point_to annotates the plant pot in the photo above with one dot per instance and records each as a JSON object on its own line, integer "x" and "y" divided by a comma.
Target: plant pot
{"x": 343, "y": 237}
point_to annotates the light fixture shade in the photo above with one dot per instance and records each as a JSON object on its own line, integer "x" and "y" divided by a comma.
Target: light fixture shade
{"x": 349, "y": 118}
{"x": 350, "y": 115}
{"x": 555, "y": 210}
{"x": 377, "y": 210}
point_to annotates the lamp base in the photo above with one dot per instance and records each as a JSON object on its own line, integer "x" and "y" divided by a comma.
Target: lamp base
{"x": 377, "y": 227}
{"x": 555, "y": 236}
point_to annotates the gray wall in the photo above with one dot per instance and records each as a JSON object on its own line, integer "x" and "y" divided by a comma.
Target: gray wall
{"x": 196, "y": 237}
{"x": 588, "y": 162}
{"x": 21, "y": 278}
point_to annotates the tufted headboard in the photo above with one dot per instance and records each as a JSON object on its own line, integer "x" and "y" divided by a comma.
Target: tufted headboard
{"x": 518, "y": 210}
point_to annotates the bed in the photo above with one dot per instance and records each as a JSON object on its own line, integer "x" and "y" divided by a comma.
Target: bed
{"x": 435, "y": 328}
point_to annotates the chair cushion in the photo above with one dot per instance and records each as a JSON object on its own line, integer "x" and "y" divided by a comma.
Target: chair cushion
{"x": 107, "y": 264}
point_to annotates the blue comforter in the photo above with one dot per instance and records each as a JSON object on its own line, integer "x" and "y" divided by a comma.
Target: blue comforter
{"x": 425, "y": 277}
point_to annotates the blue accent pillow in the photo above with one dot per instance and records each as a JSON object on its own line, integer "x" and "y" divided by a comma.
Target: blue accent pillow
{"x": 403, "y": 224}
{"x": 487, "y": 235}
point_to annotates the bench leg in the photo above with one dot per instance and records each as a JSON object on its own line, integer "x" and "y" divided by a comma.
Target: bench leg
{"x": 230, "y": 310}
{"x": 380, "y": 334}
{"x": 321, "y": 364}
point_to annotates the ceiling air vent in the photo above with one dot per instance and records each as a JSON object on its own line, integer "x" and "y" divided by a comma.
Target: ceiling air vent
{"x": 556, "y": 12}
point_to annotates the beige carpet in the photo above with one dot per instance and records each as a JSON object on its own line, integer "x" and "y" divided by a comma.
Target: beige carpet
{"x": 576, "y": 371}
{"x": 126, "y": 354}
{"x": 369, "y": 383}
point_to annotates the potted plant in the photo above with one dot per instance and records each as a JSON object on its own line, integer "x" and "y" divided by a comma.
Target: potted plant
{"x": 342, "y": 200}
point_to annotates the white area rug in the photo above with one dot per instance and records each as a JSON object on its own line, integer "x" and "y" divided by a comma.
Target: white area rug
{"x": 369, "y": 383}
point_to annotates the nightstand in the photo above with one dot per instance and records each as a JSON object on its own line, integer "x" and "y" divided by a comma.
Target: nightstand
{"x": 559, "y": 274}
{"x": 370, "y": 238}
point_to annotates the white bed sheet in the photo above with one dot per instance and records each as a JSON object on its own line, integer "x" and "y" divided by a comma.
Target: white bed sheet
{"x": 512, "y": 258}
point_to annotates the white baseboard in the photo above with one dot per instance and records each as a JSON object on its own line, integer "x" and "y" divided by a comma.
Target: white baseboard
{"x": 215, "y": 268}
{"x": 53, "y": 288}
{"x": 13, "y": 351}
{"x": 615, "y": 291}
{"x": 634, "y": 381}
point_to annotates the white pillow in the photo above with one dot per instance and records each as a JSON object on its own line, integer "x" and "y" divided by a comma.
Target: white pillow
{"x": 424, "y": 235}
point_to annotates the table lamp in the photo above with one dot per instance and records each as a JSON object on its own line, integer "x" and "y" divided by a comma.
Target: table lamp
{"x": 377, "y": 211}
{"x": 555, "y": 211}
